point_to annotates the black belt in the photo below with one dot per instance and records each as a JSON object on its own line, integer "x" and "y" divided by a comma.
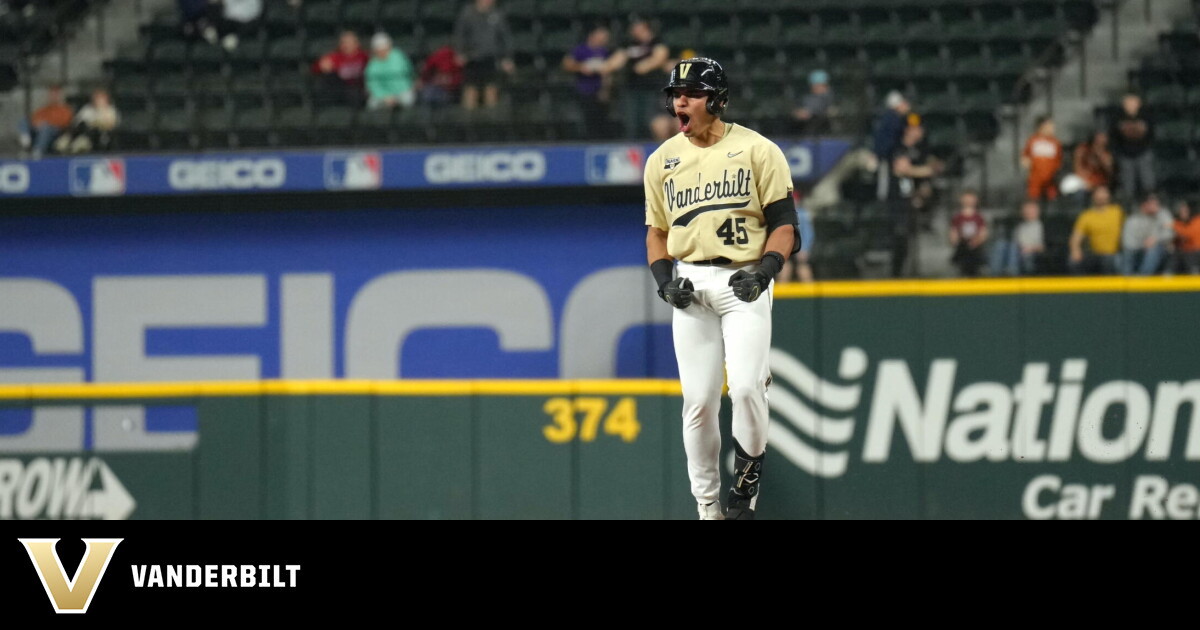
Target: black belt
{"x": 711, "y": 261}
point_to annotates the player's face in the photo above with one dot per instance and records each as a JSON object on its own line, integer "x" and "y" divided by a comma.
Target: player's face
{"x": 690, "y": 111}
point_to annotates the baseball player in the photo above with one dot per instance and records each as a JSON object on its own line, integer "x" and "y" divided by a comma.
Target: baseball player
{"x": 718, "y": 201}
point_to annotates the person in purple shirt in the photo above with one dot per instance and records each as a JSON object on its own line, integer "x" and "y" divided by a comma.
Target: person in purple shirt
{"x": 591, "y": 63}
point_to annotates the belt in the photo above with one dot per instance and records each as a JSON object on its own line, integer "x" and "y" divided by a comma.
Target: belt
{"x": 710, "y": 262}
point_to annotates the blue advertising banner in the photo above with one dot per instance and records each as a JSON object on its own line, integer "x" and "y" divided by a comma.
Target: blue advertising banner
{"x": 405, "y": 169}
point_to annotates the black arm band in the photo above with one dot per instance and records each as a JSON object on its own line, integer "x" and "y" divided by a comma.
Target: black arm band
{"x": 771, "y": 263}
{"x": 663, "y": 270}
{"x": 781, "y": 213}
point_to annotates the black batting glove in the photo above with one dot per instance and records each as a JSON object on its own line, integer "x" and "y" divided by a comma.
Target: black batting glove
{"x": 677, "y": 292}
{"x": 748, "y": 285}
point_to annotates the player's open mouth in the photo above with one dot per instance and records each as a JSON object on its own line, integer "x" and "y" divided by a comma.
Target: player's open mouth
{"x": 684, "y": 120}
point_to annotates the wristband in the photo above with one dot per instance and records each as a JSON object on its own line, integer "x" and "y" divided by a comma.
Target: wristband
{"x": 771, "y": 264}
{"x": 663, "y": 271}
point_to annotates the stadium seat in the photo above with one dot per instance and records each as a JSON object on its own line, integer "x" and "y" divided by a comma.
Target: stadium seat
{"x": 133, "y": 134}
{"x": 397, "y": 15}
{"x": 280, "y": 19}
{"x": 361, "y": 16}
{"x": 168, "y": 57}
{"x": 293, "y": 127}
{"x": 252, "y": 127}
{"x": 205, "y": 58}
{"x": 321, "y": 17}
{"x": 333, "y": 125}
{"x": 285, "y": 54}
{"x": 171, "y": 91}
{"x": 216, "y": 128}
{"x": 288, "y": 90}
{"x": 174, "y": 130}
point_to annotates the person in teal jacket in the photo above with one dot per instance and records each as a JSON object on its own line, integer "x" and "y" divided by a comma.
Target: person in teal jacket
{"x": 390, "y": 77}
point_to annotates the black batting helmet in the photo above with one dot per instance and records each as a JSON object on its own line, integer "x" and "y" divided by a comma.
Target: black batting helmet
{"x": 700, "y": 73}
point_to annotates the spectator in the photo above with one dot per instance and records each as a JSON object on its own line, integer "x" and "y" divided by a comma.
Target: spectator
{"x": 968, "y": 233}
{"x": 1018, "y": 256}
{"x": 1093, "y": 161}
{"x": 644, "y": 59}
{"x": 816, "y": 108}
{"x": 1132, "y": 134}
{"x": 194, "y": 16}
{"x": 1145, "y": 238}
{"x": 341, "y": 71}
{"x": 484, "y": 46}
{"x": 236, "y": 18}
{"x": 1187, "y": 241}
{"x": 1100, "y": 225}
{"x": 589, "y": 62}
{"x": 47, "y": 122}
{"x": 909, "y": 190}
{"x": 887, "y": 131}
{"x": 93, "y": 126}
{"x": 390, "y": 76}
{"x": 441, "y": 76}
{"x": 1042, "y": 158}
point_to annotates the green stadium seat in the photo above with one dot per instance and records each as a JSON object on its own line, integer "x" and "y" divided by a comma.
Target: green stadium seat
{"x": 557, "y": 8}
{"x": 315, "y": 48}
{"x": 171, "y": 91}
{"x": 248, "y": 57}
{"x": 1166, "y": 96}
{"x": 252, "y": 127}
{"x": 216, "y": 129}
{"x": 528, "y": 9}
{"x": 167, "y": 57}
{"x": 398, "y": 15}
{"x": 133, "y": 134}
{"x": 285, "y": 54}
{"x": 288, "y": 90}
{"x": 361, "y": 16}
{"x": 208, "y": 89}
{"x": 333, "y": 125}
{"x": 280, "y": 19}
{"x": 322, "y": 17}
{"x": 174, "y": 130}
{"x": 293, "y": 127}
{"x": 206, "y": 59}
{"x": 374, "y": 126}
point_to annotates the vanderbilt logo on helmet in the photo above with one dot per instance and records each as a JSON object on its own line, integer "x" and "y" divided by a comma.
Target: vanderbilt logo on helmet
{"x": 70, "y": 596}
{"x": 684, "y": 68}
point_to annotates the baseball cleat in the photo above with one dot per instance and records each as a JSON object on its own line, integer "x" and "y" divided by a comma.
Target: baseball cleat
{"x": 743, "y": 495}
{"x": 710, "y": 511}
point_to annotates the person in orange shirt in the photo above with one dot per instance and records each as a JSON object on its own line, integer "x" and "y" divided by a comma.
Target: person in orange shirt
{"x": 49, "y": 120}
{"x": 1042, "y": 158}
{"x": 1187, "y": 240}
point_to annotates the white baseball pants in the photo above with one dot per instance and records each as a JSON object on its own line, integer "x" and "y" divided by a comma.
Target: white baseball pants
{"x": 719, "y": 334}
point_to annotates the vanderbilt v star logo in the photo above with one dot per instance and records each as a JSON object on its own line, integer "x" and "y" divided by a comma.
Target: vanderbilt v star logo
{"x": 72, "y": 596}
{"x": 684, "y": 68}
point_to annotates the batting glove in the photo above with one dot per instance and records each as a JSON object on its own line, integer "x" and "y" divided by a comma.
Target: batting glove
{"x": 677, "y": 293}
{"x": 748, "y": 285}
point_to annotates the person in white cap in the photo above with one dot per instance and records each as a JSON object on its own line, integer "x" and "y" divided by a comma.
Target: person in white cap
{"x": 887, "y": 131}
{"x": 391, "y": 79}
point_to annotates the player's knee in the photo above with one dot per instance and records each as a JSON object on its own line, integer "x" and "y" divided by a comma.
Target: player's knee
{"x": 742, "y": 393}
{"x": 696, "y": 413}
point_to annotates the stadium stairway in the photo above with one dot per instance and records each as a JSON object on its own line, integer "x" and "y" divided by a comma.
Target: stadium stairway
{"x": 1070, "y": 93}
{"x": 78, "y": 60}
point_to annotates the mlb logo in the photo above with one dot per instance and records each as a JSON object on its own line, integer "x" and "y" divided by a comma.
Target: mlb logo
{"x": 353, "y": 171}
{"x": 97, "y": 177}
{"x": 615, "y": 165}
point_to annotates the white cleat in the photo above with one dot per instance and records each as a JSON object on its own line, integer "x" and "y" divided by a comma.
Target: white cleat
{"x": 711, "y": 512}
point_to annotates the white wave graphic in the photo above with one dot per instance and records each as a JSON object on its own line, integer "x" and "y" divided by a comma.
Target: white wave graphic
{"x": 825, "y": 431}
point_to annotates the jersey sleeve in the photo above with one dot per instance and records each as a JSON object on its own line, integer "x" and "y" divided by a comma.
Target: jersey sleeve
{"x": 774, "y": 174}
{"x": 656, "y": 214}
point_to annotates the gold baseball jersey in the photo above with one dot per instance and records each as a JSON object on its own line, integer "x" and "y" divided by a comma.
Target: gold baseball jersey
{"x": 710, "y": 200}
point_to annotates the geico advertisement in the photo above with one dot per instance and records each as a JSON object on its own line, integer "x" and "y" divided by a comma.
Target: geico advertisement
{"x": 383, "y": 294}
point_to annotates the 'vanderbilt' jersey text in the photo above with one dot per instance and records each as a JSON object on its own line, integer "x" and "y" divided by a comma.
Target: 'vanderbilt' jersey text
{"x": 710, "y": 200}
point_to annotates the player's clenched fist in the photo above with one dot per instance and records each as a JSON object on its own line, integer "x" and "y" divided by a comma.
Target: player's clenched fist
{"x": 748, "y": 285}
{"x": 677, "y": 292}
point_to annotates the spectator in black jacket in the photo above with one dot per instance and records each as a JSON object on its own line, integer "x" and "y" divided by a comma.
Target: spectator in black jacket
{"x": 1131, "y": 136}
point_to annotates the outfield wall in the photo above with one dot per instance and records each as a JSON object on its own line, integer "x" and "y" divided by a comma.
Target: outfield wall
{"x": 991, "y": 399}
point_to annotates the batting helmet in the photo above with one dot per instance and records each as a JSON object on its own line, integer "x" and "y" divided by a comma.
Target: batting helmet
{"x": 700, "y": 73}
